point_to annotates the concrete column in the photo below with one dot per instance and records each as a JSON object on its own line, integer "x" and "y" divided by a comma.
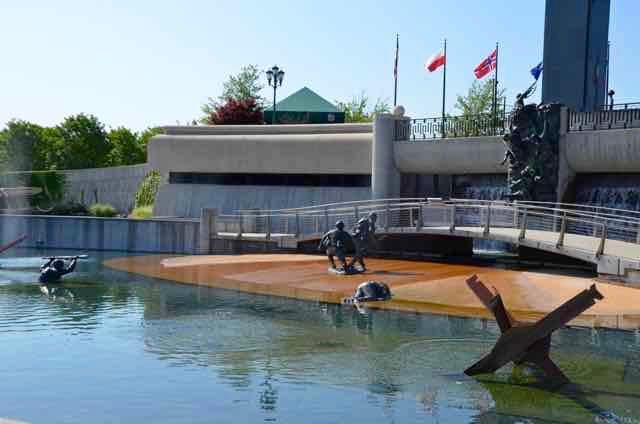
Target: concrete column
{"x": 385, "y": 177}
{"x": 566, "y": 174}
{"x": 207, "y": 229}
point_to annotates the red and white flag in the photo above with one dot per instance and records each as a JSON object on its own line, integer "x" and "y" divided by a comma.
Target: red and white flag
{"x": 487, "y": 65}
{"x": 435, "y": 61}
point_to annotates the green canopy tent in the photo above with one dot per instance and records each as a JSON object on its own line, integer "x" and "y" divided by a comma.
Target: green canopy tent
{"x": 304, "y": 107}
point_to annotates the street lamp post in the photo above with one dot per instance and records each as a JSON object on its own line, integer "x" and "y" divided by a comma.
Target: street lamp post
{"x": 611, "y": 93}
{"x": 275, "y": 76}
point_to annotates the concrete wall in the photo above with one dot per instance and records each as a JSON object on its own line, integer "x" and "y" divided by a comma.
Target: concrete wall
{"x": 605, "y": 151}
{"x": 117, "y": 185}
{"x": 87, "y": 233}
{"x": 278, "y": 149}
{"x": 451, "y": 156}
{"x": 187, "y": 200}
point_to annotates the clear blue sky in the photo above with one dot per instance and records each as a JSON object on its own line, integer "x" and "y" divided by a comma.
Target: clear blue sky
{"x": 145, "y": 63}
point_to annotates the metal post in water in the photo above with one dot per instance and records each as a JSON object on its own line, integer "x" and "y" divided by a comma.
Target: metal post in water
{"x": 268, "y": 230}
{"x": 387, "y": 215}
{"x": 603, "y": 238}
{"x": 523, "y": 225}
{"x": 452, "y": 225}
{"x": 241, "y": 226}
{"x": 487, "y": 224}
{"x": 563, "y": 230}
{"x": 298, "y": 231}
{"x": 326, "y": 219}
{"x": 420, "y": 220}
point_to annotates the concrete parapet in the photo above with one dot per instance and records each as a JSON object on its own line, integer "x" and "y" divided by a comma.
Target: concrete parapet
{"x": 268, "y": 129}
{"x": 451, "y": 156}
{"x": 604, "y": 151}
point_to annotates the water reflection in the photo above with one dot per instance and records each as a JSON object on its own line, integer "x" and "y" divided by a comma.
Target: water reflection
{"x": 279, "y": 357}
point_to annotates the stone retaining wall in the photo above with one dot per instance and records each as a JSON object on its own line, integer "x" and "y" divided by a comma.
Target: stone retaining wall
{"x": 89, "y": 233}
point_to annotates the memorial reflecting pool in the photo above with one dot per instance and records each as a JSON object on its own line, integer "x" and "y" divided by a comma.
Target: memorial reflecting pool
{"x": 108, "y": 346}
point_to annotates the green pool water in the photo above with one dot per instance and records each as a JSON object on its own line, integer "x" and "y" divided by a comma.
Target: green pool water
{"x": 107, "y": 346}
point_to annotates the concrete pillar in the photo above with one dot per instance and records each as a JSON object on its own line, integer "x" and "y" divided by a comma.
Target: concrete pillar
{"x": 566, "y": 174}
{"x": 385, "y": 177}
{"x": 207, "y": 229}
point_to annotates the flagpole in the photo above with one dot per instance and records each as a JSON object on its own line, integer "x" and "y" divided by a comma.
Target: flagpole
{"x": 606, "y": 89}
{"x": 495, "y": 90}
{"x": 444, "y": 85}
{"x": 395, "y": 88}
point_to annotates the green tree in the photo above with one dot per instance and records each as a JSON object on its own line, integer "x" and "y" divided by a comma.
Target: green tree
{"x": 82, "y": 142}
{"x": 146, "y": 135}
{"x": 357, "y": 110}
{"x": 240, "y": 87}
{"x": 127, "y": 148}
{"x": 24, "y": 146}
{"x": 475, "y": 112}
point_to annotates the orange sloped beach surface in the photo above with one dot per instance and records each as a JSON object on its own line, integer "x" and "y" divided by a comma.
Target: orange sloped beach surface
{"x": 416, "y": 286}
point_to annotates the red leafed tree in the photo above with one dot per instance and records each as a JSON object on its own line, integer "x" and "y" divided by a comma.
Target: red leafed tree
{"x": 238, "y": 112}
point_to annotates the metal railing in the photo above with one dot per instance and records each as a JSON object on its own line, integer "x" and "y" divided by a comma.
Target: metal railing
{"x": 547, "y": 223}
{"x": 624, "y": 116}
{"x": 452, "y": 127}
{"x": 620, "y": 106}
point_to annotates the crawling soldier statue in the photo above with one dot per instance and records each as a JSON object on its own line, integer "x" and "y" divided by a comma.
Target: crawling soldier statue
{"x": 335, "y": 243}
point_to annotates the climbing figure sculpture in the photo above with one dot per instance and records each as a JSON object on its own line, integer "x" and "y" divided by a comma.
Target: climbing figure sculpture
{"x": 335, "y": 243}
{"x": 363, "y": 233}
{"x": 53, "y": 270}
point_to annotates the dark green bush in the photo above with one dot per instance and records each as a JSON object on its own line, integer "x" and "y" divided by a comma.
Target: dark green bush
{"x": 68, "y": 209}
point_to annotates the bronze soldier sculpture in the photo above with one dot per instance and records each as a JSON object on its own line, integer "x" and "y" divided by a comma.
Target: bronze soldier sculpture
{"x": 532, "y": 149}
{"x": 363, "y": 232}
{"x": 335, "y": 243}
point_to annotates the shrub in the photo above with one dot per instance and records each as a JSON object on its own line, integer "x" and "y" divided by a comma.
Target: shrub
{"x": 238, "y": 112}
{"x": 148, "y": 189}
{"x": 104, "y": 210}
{"x": 143, "y": 212}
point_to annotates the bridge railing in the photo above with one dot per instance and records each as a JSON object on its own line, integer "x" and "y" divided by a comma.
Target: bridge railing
{"x": 551, "y": 223}
{"x": 427, "y": 129}
{"x": 617, "y": 118}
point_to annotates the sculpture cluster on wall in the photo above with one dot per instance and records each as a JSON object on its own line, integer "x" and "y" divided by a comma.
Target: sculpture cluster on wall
{"x": 532, "y": 150}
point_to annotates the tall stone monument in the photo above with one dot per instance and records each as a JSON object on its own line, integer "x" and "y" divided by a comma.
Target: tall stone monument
{"x": 576, "y": 36}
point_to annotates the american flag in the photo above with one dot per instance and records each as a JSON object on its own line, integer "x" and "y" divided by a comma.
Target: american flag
{"x": 487, "y": 65}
